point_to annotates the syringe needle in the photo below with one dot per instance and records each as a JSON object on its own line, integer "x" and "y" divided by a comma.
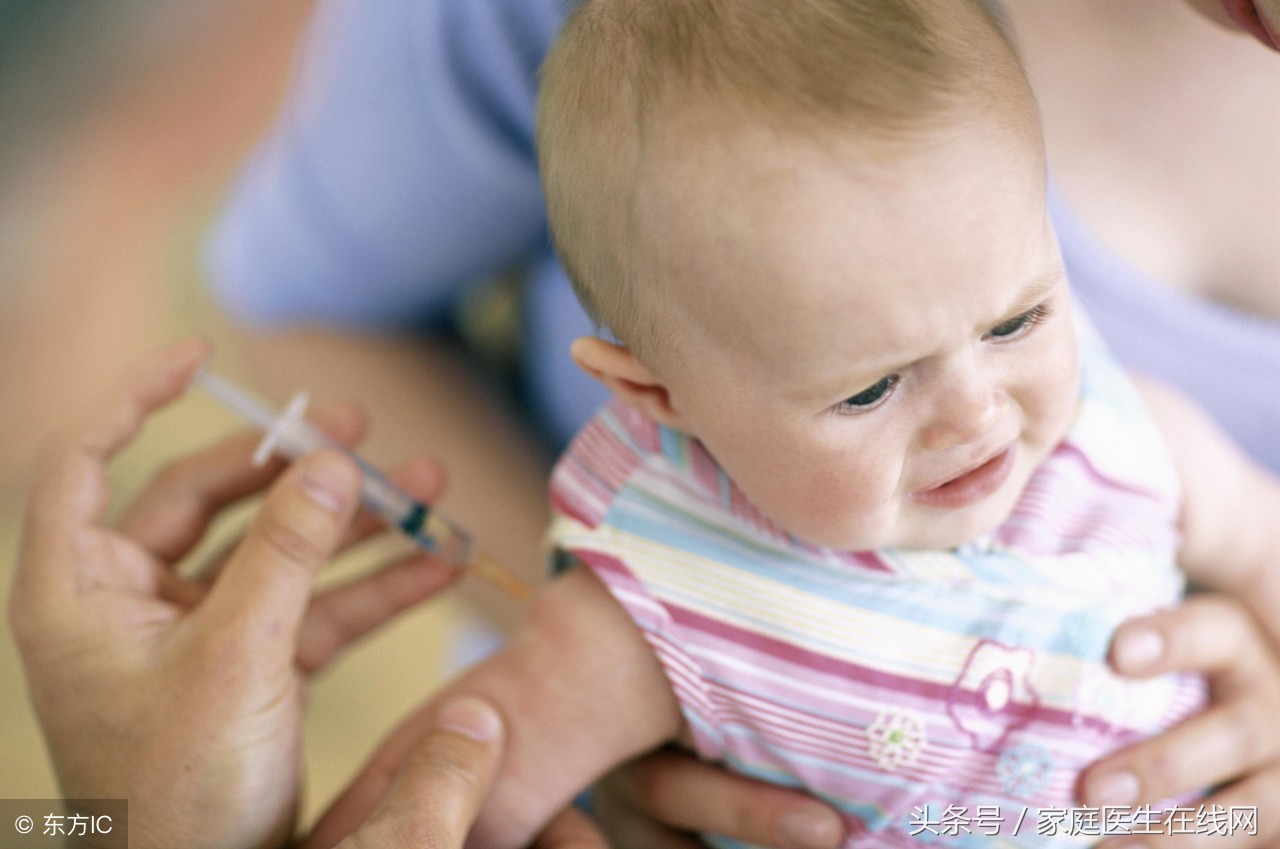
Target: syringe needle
{"x": 495, "y": 573}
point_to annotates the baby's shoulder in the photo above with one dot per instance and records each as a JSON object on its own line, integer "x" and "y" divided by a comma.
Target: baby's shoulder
{"x": 625, "y": 471}
{"x": 600, "y": 461}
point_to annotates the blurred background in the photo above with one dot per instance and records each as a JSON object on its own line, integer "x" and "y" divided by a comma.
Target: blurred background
{"x": 122, "y": 125}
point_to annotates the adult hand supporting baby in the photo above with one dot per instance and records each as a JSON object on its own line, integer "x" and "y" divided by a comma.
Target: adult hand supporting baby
{"x": 643, "y": 804}
{"x": 1233, "y": 745}
{"x": 186, "y": 696}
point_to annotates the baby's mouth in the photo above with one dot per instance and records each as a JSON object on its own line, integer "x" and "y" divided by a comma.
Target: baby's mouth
{"x": 971, "y": 485}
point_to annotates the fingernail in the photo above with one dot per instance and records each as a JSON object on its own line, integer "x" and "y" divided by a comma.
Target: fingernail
{"x": 1138, "y": 648}
{"x": 327, "y": 480}
{"x": 1112, "y": 788}
{"x": 811, "y": 827}
{"x": 470, "y": 717}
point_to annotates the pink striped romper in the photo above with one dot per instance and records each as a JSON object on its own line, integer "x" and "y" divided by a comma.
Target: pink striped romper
{"x": 943, "y": 696}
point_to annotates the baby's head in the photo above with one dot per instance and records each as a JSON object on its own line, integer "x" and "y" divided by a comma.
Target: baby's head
{"x": 818, "y": 231}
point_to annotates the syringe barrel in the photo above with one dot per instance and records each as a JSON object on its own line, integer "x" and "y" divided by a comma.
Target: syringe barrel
{"x": 399, "y": 509}
{"x": 379, "y": 495}
{"x": 289, "y": 434}
{"x": 423, "y": 525}
{"x": 445, "y": 539}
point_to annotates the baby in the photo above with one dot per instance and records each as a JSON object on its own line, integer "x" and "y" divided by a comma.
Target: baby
{"x": 865, "y": 512}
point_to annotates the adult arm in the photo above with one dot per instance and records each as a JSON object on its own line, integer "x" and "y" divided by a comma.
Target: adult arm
{"x": 400, "y": 168}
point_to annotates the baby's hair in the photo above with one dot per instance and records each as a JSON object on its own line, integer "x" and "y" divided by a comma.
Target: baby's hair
{"x": 883, "y": 69}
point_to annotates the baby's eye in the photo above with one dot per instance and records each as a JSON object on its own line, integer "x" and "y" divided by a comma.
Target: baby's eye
{"x": 870, "y": 396}
{"x": 1020, "y": 323}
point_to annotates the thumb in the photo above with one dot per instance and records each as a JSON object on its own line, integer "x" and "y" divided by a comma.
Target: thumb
{"x": 263, "y": 591}
{"x": 438, "y": 793}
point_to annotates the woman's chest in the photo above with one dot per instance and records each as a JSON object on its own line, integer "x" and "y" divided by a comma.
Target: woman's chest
{"x": 1163, "y": 135}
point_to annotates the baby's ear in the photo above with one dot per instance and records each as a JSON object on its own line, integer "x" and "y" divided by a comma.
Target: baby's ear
{"x": 617, "y": 368}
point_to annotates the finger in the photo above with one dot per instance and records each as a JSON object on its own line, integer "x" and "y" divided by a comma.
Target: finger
{"x": 628, "y": 828}
{"x": 1223, "y": 743}
{"x": 687, "y": 794}
{"x": 572, "y": 829}
{"x": 356, "y": 803}
{"x": 421, "y": 477}
{"x": 70, "y": 489}
{"x": 1217, "y": 638}
{"x": 174, "y": 511}
{"x": 1235, "y": 817}
{"x": 263, "y": 592}
{"x": 438, "y": 794}
{"x": 206, "y": 573}
{"x": 340, "y": 616}
{"x": 1209, "y": 634}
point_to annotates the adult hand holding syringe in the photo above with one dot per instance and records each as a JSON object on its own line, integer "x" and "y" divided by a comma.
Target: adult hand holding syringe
{"x": 290, "y": 435}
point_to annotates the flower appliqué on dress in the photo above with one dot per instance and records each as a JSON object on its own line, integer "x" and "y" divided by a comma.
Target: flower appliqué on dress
{"x": 896, "y": 738}
{"x": 993, "y": 696}
{"x": 1024, "y": 769}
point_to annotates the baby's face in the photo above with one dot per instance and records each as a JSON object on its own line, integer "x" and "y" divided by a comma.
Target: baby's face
{"x": 876, "y": 349}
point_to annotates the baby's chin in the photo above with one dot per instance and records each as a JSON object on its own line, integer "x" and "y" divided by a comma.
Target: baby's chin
{"x": 953, "y": 534}
{"x": 965, "y": 526}
{"x": 936, "y": 529}
{"x": 934, "y": 533}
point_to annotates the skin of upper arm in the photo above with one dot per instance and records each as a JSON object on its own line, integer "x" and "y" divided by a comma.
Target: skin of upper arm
{"x": 1230, "y": 519}
{"x": 581, "y": 692}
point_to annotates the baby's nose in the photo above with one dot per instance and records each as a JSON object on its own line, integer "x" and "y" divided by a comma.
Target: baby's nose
{"x": 967, "y": 413}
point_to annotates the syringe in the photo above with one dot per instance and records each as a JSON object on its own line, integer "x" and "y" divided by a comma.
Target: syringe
{"x": 291, "y": 435}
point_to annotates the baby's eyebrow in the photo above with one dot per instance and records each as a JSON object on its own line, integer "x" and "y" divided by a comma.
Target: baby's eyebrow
{"x": 847, "y": 381}
{"x": 1037, "y": 290}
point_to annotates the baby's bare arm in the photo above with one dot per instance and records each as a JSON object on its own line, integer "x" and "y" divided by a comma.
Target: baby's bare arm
{"x": 581, "y": 692}
{"x": 1231, "y": 515}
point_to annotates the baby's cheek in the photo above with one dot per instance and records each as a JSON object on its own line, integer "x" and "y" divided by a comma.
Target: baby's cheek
{"x": 837, "y": 504}
{"x": 1062, "y": 397}
{"x": 1052, "y": 392}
